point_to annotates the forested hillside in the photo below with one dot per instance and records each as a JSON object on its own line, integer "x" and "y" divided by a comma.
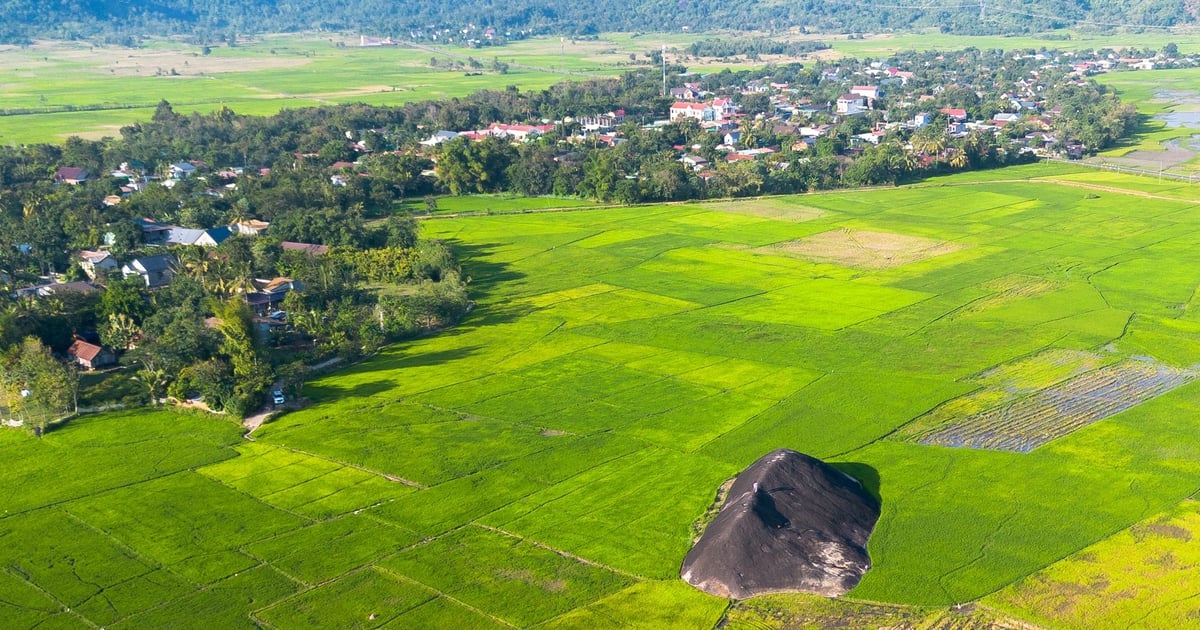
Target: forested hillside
{"x": 215, "y": 20}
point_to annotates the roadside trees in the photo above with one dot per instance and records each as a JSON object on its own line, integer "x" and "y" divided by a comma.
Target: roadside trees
{"x": 36, "y": 387}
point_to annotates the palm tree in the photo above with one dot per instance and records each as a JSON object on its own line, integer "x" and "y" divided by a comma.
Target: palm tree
{"x": 959, "y": 159}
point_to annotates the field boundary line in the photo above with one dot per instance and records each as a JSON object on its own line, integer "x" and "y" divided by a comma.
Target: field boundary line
{"x": 62, "y": 607}
{"x": 1054, "y": 180}
{"x": 441, "y": 593}
{"x": 1032, "y": 353}
{"x": 1146, "y": 513}
{"x": 159, "y": 566}
{"x": 689, "y": 202}
{"x": 979, "y": 554}
{"x": 388, "y": 476}
{"x": 190, "y": 468}
{"x": 757, "y": 415}
{"x": 543, "y": 504}
{"x": 561, "y": 552}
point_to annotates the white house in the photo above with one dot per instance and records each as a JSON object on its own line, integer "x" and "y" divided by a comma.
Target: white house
{"x": 851, "y": 104}
{"x": 698, "y": 111}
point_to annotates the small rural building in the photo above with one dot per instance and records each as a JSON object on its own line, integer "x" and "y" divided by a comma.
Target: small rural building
{"x": 440, "y": 136}
{"x": 203, "y": 238}
{"x": 182, "y": 170}
{"x": 96, "y": 262}
{"x": 153, "y": 232}
{"x": 250, "y": 227}
{"x": 155, "y": 271}
{"x": 91, "y": 356}
{"x": 70, "y": 175}
{"x": 269, "y": 294}
{"x": 955, "y": 114}
{"x": 851, "y": 104}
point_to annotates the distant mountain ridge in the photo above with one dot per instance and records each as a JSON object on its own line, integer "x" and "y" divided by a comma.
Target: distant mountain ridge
{"x": 212, "y": 20}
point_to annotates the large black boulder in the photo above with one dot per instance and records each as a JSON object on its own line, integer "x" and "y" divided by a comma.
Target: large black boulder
{"x": 791, "y": 523}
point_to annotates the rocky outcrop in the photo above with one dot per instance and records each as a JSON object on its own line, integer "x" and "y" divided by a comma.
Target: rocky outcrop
{"x": 791, "y": 523}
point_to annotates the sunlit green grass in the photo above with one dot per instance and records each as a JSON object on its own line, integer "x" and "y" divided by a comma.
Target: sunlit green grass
{"x": 546, "y": 460}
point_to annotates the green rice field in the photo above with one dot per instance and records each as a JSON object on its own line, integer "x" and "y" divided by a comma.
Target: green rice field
{"x": 52, "y": 90}
{"x": 544, "y": 463}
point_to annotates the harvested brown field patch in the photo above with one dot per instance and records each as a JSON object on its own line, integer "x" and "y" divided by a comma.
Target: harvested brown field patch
{"x": 1051, "y": 413}
{"x": 148, "y": 62}
{"x": 769, "y": 209}
{"x": 865, "y": 249}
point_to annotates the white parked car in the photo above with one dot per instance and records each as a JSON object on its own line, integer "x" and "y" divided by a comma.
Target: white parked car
{"x": 277, "y": 397}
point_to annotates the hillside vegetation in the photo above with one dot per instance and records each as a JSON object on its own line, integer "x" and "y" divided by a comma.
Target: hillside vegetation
{"x": 218, "y": 19}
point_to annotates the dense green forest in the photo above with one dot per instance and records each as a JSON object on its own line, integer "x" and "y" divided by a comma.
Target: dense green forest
{"x": 217, "y": 20}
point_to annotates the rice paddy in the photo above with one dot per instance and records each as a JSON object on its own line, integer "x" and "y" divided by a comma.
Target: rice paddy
{"x": 1023, "y": 396}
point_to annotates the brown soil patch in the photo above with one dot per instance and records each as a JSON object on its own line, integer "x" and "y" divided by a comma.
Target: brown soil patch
{"x": 137, "y": 62}
{"x": 149, "y": 61}
{"x": 768, "y": 209}
{"x": 96, "y": 133}
{"x": 865, "y": 249}
{"x": 1173, "y": 154}
{"x": 1162, "y": 530}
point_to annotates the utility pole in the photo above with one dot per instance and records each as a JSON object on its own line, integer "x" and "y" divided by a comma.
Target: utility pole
{"x": 664, "y": 68}
{"x": 982, "y": 10}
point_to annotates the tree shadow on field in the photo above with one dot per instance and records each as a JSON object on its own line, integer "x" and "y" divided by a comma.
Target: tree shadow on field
{"x": 382, "y": 370}
{"x": 487, "y": 279}
{"x": 865, "y": 474}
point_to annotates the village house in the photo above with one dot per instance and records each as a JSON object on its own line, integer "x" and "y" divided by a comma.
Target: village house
{"x": 684, "y": 94}
{"x": 90, "y": 356}
{"x": 155, "y": 271}
{"x": 70, "y": 175}
{"x": 723, "y": 108}
{"x": 56, "y": 288}
{"x": 439, "y": 137}
{"x": 94, "y": 263}
{"x": 601, "y": 122}
{"x": 153, "y": 232}
{"x": 695, "y": 162}
{"x": 697, "y": 111}
{"x": 203, "y": 238}
{"x": 870, "y": 92}
{"x": 851, "y": 104}
{"x": 250, "y": 227}
{"x": 269, "y": 294}
{"x": 182, "y": 170}
{"x": 955, "y": 115}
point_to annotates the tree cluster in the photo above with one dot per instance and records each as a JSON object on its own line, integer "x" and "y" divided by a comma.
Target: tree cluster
{"x": 211, "y": 22}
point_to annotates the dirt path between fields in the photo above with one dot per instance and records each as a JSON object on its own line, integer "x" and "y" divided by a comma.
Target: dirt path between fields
{"x": 1085, "y": 185}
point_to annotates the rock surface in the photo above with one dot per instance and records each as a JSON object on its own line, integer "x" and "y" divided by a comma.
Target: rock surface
{"x": 791, "y": 523}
